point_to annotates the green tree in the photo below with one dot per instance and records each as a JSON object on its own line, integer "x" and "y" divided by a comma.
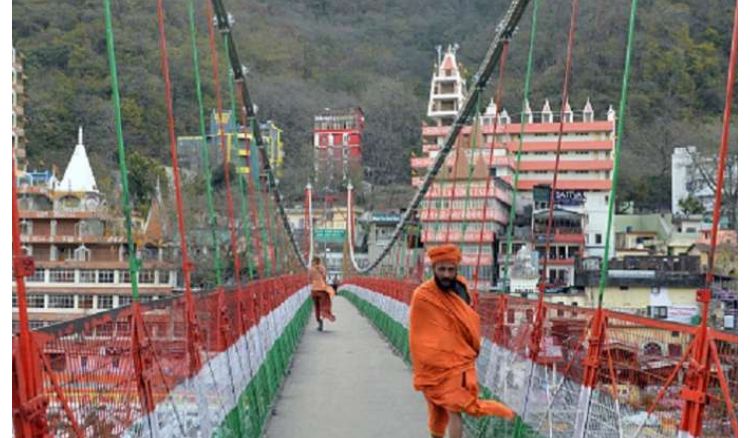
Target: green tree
{"x": 691, "y": 205}
{"x": 145, "y": 176}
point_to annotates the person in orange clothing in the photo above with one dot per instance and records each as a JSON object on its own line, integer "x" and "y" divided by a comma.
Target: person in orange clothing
{"x": 444, "y": 339}
{"x": 322, "y": 294}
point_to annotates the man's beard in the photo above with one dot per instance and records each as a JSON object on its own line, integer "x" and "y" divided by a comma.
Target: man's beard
{"x": 445, "y": 285}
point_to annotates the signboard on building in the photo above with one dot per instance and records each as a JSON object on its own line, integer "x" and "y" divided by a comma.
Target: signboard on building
{"x": 569, "y": 198}
{"x": 563, "y": 198}
{"x": 632, "y": 273}
{"x": 333, "y": 235}
{"x": 386, "y": 217}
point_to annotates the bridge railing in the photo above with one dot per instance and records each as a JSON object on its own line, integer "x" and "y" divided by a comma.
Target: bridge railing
{"x": 641, "y": 370}
{"x": 98, "y": 382}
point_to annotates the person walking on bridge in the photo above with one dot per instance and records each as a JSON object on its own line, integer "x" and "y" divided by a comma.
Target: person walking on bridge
{"x": 444, "y": 340}
{"x": 322, "y": 293}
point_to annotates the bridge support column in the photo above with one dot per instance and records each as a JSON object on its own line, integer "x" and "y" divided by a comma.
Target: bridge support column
{"x": 696, "y": 379}
{"x": 591, "y": 368}
{"x": 142, "y": 364}
{"x": 29, "y": 401}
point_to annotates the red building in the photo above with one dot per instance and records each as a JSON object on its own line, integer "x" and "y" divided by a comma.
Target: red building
{"x": 337, "y": 140}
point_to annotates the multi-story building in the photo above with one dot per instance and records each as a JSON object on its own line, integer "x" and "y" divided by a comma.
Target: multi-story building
{"x": 692, "y": 176}
{"x": 79, "y": 247}
{"x": 236, "y": 141}
{"x": 460, "y": 208}
{"x": 658, "y": 287}
{"x": 19, "y": 136}
{"x": 584, "y": 172}
{"x": 337, "y": 143}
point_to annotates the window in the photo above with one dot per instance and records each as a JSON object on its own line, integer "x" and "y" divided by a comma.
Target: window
{"x": 123, "y": 327}
{"x": 106, "y": 276}
{"x": 84, "y": 362}
{"x": 624, "y": 287}
{"x": 15, "y": 300}
{"x": 85, "y": 301}
{"x": 146, "y": 276}
{"x": 652, "y": 349}
{"x": 34, "y": 324}
{"x": 124, "y": 276}
{"x": 67, "y": 254}
{"x": 657, "y": 312}
{"x": 37, "y": 276}
{"x": 62, "y": 275}
{"x": 82, "y": 254}
{"x": 105, "y": 301}
{"x": 598, "y": 238}
{"x": 27, "y": 228}
{"x": 87, "y": 276}
{"x": 57, "y": 361}
{"x": 35, "y": 301}
{"x": 65, "y": 301}
{"x": 163, "y": 277}
{"x": 124, "y": 300}
{"x": 511, "y": 317}
{"x": 675, "y": 350}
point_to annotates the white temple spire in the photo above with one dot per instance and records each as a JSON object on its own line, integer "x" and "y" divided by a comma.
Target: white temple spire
{"x": 78, "y": 176}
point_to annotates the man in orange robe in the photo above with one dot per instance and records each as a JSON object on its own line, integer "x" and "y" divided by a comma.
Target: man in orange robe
{"x": 444, "y": 339}
{"x": 322, "y": 294}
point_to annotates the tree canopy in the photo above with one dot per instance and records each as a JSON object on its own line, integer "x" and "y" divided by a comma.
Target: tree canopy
{"x": 304, "y": 56}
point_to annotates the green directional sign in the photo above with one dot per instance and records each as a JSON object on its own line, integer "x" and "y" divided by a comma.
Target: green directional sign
{"x": 334, "y": 235}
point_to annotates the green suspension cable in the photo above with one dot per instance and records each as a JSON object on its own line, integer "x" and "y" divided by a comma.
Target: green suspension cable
{"x": 274, "y": 236}
{"x": 218, "y": 265}
{"x": 434, "y": 205}
{"x": 467, "y": 195}
{"x": 133, "y": 263}
{"x": 263, "y": 224}
{"x": 618, "y": 143}
{"x": 255, "y": 171}
{"x": 243, "y": 189}
{"x": 253, "y": 151}
{"x": 526, "y": 86}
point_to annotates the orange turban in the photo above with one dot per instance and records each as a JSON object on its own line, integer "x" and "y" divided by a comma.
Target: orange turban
{"x": 444, "y": 253}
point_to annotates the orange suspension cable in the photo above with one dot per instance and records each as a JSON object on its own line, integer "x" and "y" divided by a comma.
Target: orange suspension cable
{"x": 195, "y": 360}
{"x": 723, "y": 150}
{"x": 551, "y": 204}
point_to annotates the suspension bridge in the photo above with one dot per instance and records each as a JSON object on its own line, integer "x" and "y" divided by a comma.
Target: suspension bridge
{"x": 237, "y": 360}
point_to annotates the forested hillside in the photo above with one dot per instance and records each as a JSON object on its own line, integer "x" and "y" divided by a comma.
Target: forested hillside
{"x": 306, "y": 55}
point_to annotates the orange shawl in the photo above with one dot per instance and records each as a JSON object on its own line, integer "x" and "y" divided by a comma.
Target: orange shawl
{"x": 317, "y": 275}
{"x": 444, "y": 339}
